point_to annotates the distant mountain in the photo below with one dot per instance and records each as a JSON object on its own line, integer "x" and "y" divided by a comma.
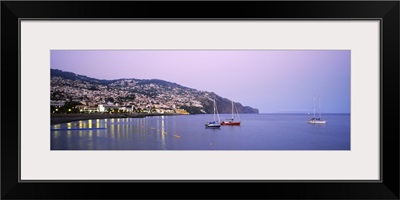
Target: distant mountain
{"x": 141, "y": 94}
{"x": 73, "y": 76}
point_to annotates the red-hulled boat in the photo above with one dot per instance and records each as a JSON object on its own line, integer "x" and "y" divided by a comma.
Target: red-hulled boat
{"x": 232, "y": 121}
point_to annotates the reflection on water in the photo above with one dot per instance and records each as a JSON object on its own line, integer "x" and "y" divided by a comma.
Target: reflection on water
{"x": 163, "y": 145}
{"x": 257, "y": 132}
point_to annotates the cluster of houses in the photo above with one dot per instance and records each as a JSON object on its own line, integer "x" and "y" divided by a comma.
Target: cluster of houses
{"x": 111, "y": 108}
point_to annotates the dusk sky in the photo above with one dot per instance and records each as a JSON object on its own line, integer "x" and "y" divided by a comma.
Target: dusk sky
{"x": 274, "y": 81}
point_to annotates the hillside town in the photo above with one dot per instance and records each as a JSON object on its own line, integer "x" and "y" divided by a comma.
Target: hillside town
{"x": 125, "y": 95}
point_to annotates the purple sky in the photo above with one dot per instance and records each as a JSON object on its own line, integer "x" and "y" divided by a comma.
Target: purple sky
{"x": 270, "y": 80}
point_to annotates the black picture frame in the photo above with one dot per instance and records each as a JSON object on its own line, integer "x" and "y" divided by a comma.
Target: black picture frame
{"x": 386, "y": 11}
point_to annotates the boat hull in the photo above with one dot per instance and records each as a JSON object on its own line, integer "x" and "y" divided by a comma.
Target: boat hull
{"x": 213, "y": 125}
{"x": 316, "y": 122}
{"x": 231, "y": 123}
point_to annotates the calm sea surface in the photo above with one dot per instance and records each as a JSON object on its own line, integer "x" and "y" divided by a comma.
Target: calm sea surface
{"x": 256, "y": 132}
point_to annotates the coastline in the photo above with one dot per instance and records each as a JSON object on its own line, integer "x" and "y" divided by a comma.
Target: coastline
{"x": 65, "y": 118}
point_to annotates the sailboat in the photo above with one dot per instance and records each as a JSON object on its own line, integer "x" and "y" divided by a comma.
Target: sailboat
{"x": 214, "y": 124}
{"x": 232, "y": 121}
{"x": 316, "y": 120}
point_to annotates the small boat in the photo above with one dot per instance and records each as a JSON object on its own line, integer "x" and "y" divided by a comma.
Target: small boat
{"x": 214, "y": 124}
{"x": 232, "y": 121}
{"x": 317, "y": 120}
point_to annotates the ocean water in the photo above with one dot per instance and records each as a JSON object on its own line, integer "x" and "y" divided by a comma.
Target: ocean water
{"x": 187, "y": 132}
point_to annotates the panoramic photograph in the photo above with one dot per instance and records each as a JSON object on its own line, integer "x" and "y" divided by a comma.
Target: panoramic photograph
{"x": 200, "y": 100}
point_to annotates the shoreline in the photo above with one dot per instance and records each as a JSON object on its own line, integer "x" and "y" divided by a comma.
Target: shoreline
{"x": 65, "y": 118}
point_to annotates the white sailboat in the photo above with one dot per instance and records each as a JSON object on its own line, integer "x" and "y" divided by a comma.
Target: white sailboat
{"x": 214, "y": 124}
{"x": 317, "y": 120}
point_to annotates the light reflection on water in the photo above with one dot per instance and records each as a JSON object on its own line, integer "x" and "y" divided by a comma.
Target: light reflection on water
{"x": 163, "y": 133}
{"x": 257, "y": 132}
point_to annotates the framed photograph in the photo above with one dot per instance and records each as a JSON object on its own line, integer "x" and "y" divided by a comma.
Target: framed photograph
{"x": 284, "y": 95}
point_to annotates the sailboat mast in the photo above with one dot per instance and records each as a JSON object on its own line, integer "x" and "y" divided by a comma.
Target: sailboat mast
{"x": 232, "y": 110}
{"x": 314, "y": 106}
{"x": 319, "y": 107}
{"x": 214, "y": 110}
